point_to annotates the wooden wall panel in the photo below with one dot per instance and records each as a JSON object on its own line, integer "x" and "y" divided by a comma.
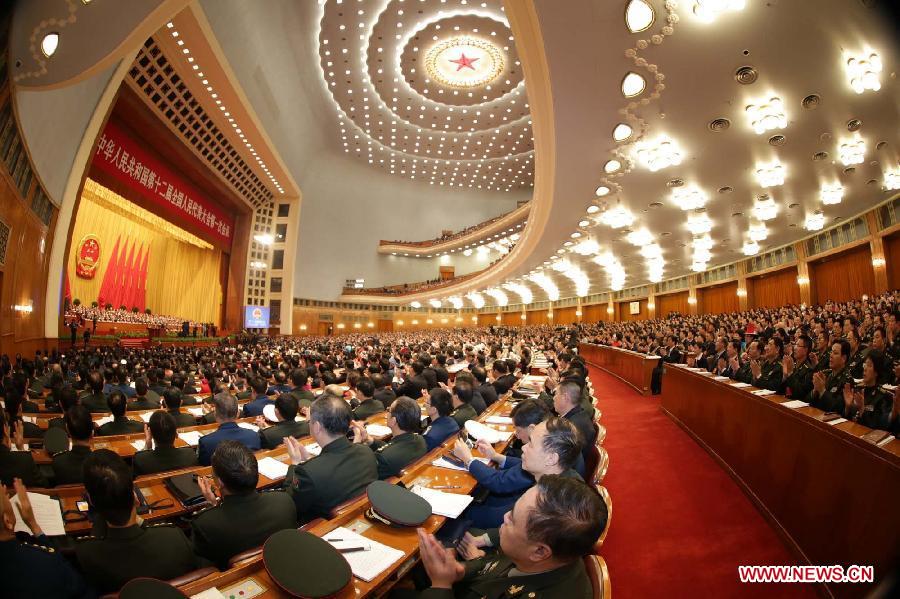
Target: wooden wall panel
{"x": 512, "y": 319}
{"x": 892, "y": 257}
{"x": 718, "y": 299}
{"x": 672, "y": 302}
{"x": 774, "y": 289}
{"x": 537, "y": 317}
{"x": 623, "y": 311}
{"x": 842, "y": 276}
{"x": 565, "y": 315}
{"x": 595, "y": 313}
{"x": 486, "y": 320}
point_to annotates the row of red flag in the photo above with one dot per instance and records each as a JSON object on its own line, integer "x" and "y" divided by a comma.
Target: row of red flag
{"x": 125, "y": 280}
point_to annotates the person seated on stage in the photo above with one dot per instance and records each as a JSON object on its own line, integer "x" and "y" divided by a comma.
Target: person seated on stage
{"x": 368, "y": 405}
{"x": 95, "y": 400}
{"x": 235, "y": 475}
{"x": 226, "y": 410}
{"x": 406, "y": 444}
{"x": 553, "y": 448}
{"x": 869, "y": 404}
{"x": 384, "y": 392}
{"x": 32, "y": 566}
{"x": 478, "y": 403}
{"x": 439, "y": 405}
{"x": 15, "y": 461}
{"x": 254, "y": 408}
{"x": 542, "y": 541}
{"x": 462, "y": 407}
{"x": 567, "y": 404}
{"x": 159, "y": 453}
{"x": 272, "y": 435}
{"x": 767, "y": 374}
{"x": 67, "y": 465}
{"x": 127, "y": 549}
{"x": 340, "y": 472}
{"x": 828, "y": 385}
{"x": 171, "y": 402}
{"x": 120, "y": 424}
{"x": 143, "y": 400}
{"x": 301, "y": 392}
{"x": 280, "y": 385}
{"x": 484, "y": 388}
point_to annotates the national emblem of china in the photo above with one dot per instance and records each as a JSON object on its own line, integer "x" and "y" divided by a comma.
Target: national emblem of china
{"x": 88, "y": 257}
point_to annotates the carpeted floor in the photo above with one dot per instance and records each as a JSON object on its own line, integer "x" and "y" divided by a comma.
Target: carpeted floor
{"x": 680, "y": 525}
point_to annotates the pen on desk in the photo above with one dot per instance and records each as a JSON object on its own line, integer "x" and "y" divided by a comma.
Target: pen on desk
{"x": 447, "y": 487}
{"x": 351, "y": 549}
{"x": 334, "y": 540}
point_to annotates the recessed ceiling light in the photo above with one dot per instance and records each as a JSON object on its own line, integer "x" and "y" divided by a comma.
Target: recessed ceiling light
{"x": 709, "y": 10}
{"x": 622, "y": 132}
{"x": 639, "y": 16}
{"x": 601, "y": 191}
{"x": 612, "y": 166}
{"x": 632, "y": 85}
{"x": 584, "y": 223}
{"x": 49, "y": 44}
{"x": 595, "y": 209}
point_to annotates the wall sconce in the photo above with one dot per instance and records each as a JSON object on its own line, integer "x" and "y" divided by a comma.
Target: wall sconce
{"x": 428, "y": 321}
{"x": 692, "y": 300}
{"x": 741, "y": 292}
{"x": 399, "y": 323}
{"x": 24, "y": 308}
{"x": 443, "y": 321}
{"x": 340, "y": 325}
{"x": 370, "y": 324}
{"x": 302, "y": 327}
{"x": 550, "y": 315}
{"x": 474, "y": 319}
{"x": 356, "y": 325}
{"x": 522, "y": 316}
{"x": 610, "y": 310}
{"x": 878, "y": 262}
{"x": 497, "y": 318}
{"x": 415, "y": 322}
{"x": 803, "y": 280}
{"x": 651, "y": 306}
{"x": 577, "y": 312}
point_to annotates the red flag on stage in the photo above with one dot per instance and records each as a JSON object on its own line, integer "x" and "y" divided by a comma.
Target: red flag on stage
{"x": 134, "y": 281}
{"x": 143, "y": 281}
{"x": 109, "y": 278}
{"x": 125, "y": 282}
{"x": 67, "y": 294}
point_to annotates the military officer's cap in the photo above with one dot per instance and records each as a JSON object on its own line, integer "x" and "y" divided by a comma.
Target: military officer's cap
{"x": 56, "y": 440}
{"x": 392, "y": 504}
{"x": 322, "y": 571}
{"x": 149, "y": 588}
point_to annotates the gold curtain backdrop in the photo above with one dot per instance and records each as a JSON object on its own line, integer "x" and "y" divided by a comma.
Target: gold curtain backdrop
{"x": 182, "y": 270}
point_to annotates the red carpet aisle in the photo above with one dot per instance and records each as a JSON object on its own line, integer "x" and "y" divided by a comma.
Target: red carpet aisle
{"x": 680, "y": 525}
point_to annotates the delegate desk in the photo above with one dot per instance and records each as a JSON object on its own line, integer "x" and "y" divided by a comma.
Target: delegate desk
{"x": 834, "y": 495}
{"x": 353, "y": 517}
{"x": 633, "y": 368}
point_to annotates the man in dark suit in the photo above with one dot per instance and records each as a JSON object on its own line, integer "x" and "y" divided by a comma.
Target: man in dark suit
{"x": 171, "y": 402}
{"x": 272, "y": 435}
{"x": 235, "y": 475}
{"x": 406, "y": 444}
{"x": 503, "y": 381}
{"x": 95, "y": 401}
{"x": 413, "y": 386}
{"x": 226, "y": 414}
{"x": 439, "y": 365}
{"x": 443, "y": 426}
{"x": 16, "y": 464}
{"x": 368, "y": 405}
{"x": 67, "y": 465}
{"x": 143, "y": 400}
{"x": 340, "y": 472}
{"x": 255, "y": 408}
{"x": 160, "y": 453}
{"x": 567, "y": 404}
{"x": 304, "y": 397}
{"x": 462, "y": 407}
{"x": 155, "y": 383}
{"x": 478, "y": 403}
{"x": 428, "y": 372}
{"x": 383, "y": 390}
{"x": 280, "y": 385}
{"x": 120, "y": 424}
{"x": 485, "y": 389}
{"x": 128, "y": 549}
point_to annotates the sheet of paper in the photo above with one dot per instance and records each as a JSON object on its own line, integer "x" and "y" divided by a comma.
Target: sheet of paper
{"x": 366, "y": 565}
{"x": 30, "y": 419}
{"x": 272, "y": 468}
{"x": 721, "y": 378}
{"x": 47, "y": 513}
{"x": 192, "y": 438}
{"x": 449, "y": 505}
{"x": 248, "y": 426}
{"x": 196, "y": 412}
{"x": 210, "y": 593}
{"x": 442, "y": 463}
{"x": 104, "y": 420}
{"x": 138, "y": 445}
{"x": 763, "y": 392}
{"x": 483, "y": 432}
{"x": 499, "y": 420}
{"x": 145, "y": 416}
{"x": 314, "y": 449}
{"x": 740, "y": 385}
{"x": 885, "y": 441}
{"x": 837, "y": 421}
{"x": 795, "y": 404}
{"x": 378, "y": 430}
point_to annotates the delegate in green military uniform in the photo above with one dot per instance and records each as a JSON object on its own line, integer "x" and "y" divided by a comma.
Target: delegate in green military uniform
{"x": 406, "y": 444}
{"x": 828, "y": 385}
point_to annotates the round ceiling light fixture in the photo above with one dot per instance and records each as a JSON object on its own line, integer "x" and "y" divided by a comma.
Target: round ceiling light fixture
{"x": 464, "y": 62}
{"x": 49, "y": 44}
{"x": 602, "y": 191}
{"x": 612, "y": 166}
{"x": 622, "y": 132}
{"x": 639, "y": 16}
{"x": 633, "y": 84}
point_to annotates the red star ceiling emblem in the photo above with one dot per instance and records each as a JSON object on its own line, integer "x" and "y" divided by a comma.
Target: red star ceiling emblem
{"x": 464, "y": 61}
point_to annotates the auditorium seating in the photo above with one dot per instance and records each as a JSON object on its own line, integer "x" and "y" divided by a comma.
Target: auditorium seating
{"x": 604, "y": 494}
{"x": 599, "y": 575}
{"x": 602, "y": 466}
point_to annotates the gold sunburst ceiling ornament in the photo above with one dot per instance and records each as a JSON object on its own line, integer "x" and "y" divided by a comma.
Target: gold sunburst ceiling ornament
{"x": 464, "y": 62}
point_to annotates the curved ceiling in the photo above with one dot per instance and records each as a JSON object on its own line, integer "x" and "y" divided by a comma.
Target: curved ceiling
{"x": 429, "y": 90}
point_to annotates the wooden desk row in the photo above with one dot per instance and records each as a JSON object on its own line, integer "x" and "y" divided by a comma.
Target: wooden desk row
{"x": 833, "y": 495}
{"x": 630, "y": 367}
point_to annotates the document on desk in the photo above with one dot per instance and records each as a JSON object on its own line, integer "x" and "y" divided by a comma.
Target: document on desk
{"x": 47, "y": 513}
{"x": 248, "y": 426}
{"x": 836, "y": 421}
{"x": 104, "y": 420}
{"x": 449, "y": 505}
{"x": 763, "y": 392}
{"x": 368, "y": 564}
{"x": 484, "y": 432}
{"x": 499, "y": 420}
{"x": 378, "y": 430}
{"x": 721, "y": 378}
{"x": 314, "y": 449}
{"x": 272, "y": 468}
{"x": 442, "y": 463}
{"x": 210, "y": 593}
{"x": 196, "y": 412}
{"x": 192, "y": 438}
{"x": 138, "y": 445}
{"x": 739, "y": 385}
{"x": 794, "y": 404}
{"x": 145, "y": 416}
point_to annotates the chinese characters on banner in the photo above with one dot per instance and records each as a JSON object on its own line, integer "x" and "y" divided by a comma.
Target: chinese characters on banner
{"x": 121, "y": 157}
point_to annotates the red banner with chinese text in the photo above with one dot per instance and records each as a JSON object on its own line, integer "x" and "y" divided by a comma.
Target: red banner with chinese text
{"x": 171, "y": 196}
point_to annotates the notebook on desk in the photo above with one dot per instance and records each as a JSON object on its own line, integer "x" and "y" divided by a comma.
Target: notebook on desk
{"x": 370, "y": 563}
{"x": 876, "y": 437}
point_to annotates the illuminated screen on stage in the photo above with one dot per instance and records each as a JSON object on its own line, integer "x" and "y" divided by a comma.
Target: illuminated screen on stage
{"x": 256, "y": 317}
